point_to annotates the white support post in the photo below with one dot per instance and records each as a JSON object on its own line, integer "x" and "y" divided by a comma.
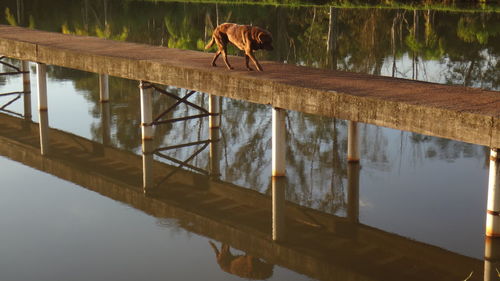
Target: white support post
{"x": 44, "y": 132}
{"x": 104, "y": 87}
{"x": 146, "y": 110}
{"x": 41, "y": 74}
{"x": 214, "y": 107}
{"x": 493, "y": 208}
{"x": 352, "y": 142}
{"x": 278, "y": 193}
{"x": 26, "y": 90}
{"x": 214, "y": 134}
{"x": 279, "y": 142}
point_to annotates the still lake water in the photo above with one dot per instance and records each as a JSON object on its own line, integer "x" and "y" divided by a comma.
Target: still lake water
{"x": 423, "y": 188}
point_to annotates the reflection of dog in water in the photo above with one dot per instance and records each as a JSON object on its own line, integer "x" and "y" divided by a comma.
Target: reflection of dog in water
{"x": 244, "y": 266}
{"x": 246, "y": 37}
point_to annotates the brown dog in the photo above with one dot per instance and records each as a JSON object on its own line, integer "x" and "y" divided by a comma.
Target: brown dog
{"x": 246, "y": 37}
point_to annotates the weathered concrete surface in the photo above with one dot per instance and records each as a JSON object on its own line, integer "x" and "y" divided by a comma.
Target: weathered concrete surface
{"x": 320, "y": 245}
{"x": 455, "y": 112}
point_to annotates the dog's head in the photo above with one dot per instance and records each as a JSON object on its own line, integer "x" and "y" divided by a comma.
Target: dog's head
{"x": 264, "y": 39}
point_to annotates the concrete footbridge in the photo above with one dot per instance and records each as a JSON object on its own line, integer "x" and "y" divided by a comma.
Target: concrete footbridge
{"x": 454, "y": 112}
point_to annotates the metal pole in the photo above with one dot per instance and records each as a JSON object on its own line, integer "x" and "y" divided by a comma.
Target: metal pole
{"x": 491, "y": 258}
{"x": 26, "y": 90}
{"x": 353, "y": 192}
{"x": 214, "y": 135}
{"x": 279, "y": 142}
{"x": 43, "y": 125}
{"x": 213, "y": 107}
{"x": 352, "y": 142}
{"x": 278, "y": 193}
{"x": 41, "y": 74}
{"x": 493, "y": 208}
{"x": 146, "y": 110}
{"x": 106, "y": 123}
{"x": 104, "y": 87}
{"x": 147, "y": 165}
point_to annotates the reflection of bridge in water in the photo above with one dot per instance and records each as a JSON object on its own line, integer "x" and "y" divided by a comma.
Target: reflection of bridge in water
{"x": 319, "y": 245}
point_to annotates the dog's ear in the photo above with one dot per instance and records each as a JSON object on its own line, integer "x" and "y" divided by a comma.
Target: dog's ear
{"x": 264, "y": 37}
{"x": 259, "y": 37}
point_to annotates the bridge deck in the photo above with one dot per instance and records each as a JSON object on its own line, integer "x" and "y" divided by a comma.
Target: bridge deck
{"x": 455, "y": 112}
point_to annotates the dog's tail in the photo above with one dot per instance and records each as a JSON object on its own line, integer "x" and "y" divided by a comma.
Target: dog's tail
{"x": 210, "y": 44}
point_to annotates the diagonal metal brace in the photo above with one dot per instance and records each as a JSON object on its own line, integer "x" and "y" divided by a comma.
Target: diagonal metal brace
{"x": 156, "y": 120}
{"x": 17, "y": 69}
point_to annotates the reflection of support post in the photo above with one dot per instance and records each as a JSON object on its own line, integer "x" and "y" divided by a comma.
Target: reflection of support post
{"x": 493, "y": 208}
{"x": 106, "y": 123}
{"x": 214, "y": 135}
{"x": 44, "y": 131}
{"x": 279, "y": 228}
{"x": 352, "y": 142}
{"x": 214, "y": 107}
{"x": 104, "y": 87}
{"x": 41, "y": 74}
{"x": 147, "y": 165}
{"x": 146, "y": 110}
{"x": 353, "y": 191}
{"x": 279, "y": 142}
{"x": 26, "y": 90}
{"x": 491, "y": 258}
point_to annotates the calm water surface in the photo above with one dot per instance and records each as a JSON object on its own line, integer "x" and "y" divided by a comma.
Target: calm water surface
{"x": 426, "y": 189}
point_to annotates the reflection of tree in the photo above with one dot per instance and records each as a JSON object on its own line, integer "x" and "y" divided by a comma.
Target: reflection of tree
{"x": 180, "y": 31}
{"x": 360, "y": 40}
{"x": 11, "y": 20}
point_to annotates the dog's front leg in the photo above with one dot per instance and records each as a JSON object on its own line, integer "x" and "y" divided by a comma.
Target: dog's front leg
{"x": 249, "y": 54}
{"x": 246, "y": 63}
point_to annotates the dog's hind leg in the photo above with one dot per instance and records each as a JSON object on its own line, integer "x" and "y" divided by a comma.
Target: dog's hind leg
{"x": 215, "y": 58}
{"x": 224, "y": 56}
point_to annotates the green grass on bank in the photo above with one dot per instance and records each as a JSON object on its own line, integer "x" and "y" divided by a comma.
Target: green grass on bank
{"x": 472, "y": 6}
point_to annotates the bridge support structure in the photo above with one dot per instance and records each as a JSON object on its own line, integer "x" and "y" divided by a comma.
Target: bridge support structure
{"x": 146, "y": 110}
{"x": 103, "y": 87}
{"x": 493, "y": 205}
{"x": 26, "y": 90}
{"x": 352, "y": 142}
{"x": 491, "y": 258}
{"x": 279, "y": 143}
{"x": 353, "y": 168}
{"x": 43, "y": 115}
{"x": 278, "y": 209}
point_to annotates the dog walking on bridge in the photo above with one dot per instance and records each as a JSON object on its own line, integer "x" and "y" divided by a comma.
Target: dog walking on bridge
{"x": 245, "y": 37}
